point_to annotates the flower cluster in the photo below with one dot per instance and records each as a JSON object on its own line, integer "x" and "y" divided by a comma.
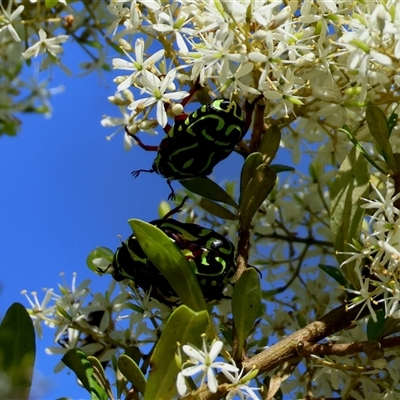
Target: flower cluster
{"x": 312, "y": 66}
{"x": 377, "y": 259}
{"x": 205, "y": 363}
{"x": 76, "y": 311}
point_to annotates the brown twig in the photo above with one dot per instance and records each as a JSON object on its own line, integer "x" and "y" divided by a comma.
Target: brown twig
{"x": 287, "y": 349}
{"x": 372, "y": 348}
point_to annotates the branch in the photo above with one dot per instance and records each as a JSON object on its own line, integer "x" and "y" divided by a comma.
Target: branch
{"x": 372, "y": 348}
{"x": 287, "y": 349}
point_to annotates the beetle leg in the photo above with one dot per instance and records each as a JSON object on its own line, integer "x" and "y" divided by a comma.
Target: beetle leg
{"x": 172, "y": 194}
{"x": 136, "y": 173}
{"x": 140, "y": 143}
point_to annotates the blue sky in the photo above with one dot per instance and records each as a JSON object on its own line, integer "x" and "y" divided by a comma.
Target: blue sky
{"x": 65, "y": 190}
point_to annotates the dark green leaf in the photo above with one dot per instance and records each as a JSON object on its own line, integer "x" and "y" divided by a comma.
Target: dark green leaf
{"x": 76, "y": 360}
{"x": 217, "y": 209}
{"x": 259, "y": 187}
{"x": 392, "y": 122}
{"x": 115, "y": 47}
{"x": 246, "y": 301}
{"x": 270, "y": 143}
{"x": 349, "y": 185}
{"x": 210, "y": 190}
{"x": 375, "y": 329}
{"x": 170, "y": 262}
{"x": 248, "y": 170}
{"x": 132, "y": 372}
{"x": 334, "y": 273}
{"x": 183, "y": 326}
{"x": 227, "y": 333}
{"x": 281, "y": 168}
{"x": 17, "y": 350}
{"x": 379, "y": 129}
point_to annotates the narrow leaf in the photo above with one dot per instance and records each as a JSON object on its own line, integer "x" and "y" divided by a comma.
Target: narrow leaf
{"x": 17, "y": 350}
{"x": 210, "y": 190}
{"x": 378, "y": 126}
{"x": 132, "y": 372}
{"x": 270, "y": 143}
{"x": 100, "y": 376}
{"x": 170, "y": 262}
{"x": 183, "y": 326}
{"x": 334, "y": 273}
{"x": 76, "y": 360}
{"x": 248, "y": 170}
{"x": 217, "y": 209}
{"x": 375, "y": 329}
{"x": 259, "y": 187}
{"x": 246, "y": 301}
{"x": 392, "y": 121}
{"x": 281, "y": 168}
{"x": 350, "y": 184}
{"x": 361, "y": 149}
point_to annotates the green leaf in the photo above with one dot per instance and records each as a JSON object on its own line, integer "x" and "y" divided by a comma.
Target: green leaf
{"x": 50, "y": 3}
{"x": 17, "y": 350}
{"x": 361, "y": 149}
{"x": 183, "y": 326}
{"x": 100, "y": 257}
{"x": 349, "y": 185}
{"x": 100, "y": 376}
{"x": 392, "y": 122}
{"x": 248, "y": 170}
{"x": 170, "y": 262}
{"x": 246, "y": 301}
{"x": 76, "y": 360}
{"x": 210, "y": 190}
{"x": 334, "y": 273}
{"x": 217, "y": 209}
{"x": 375, "y": 329}
{"x": 259, "y": 187}
{"x": 281, "y": 168}
{"x": 270, "y": 143}
{"x": 270, "y": 294}
{"x": 378, "y": 126}
{"x": 132, "y": 372}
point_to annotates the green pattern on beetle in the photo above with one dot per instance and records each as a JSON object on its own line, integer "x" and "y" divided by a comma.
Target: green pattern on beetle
{"x": 210, "y": 256}
{"x": 195, "y": 145}
{"x": 205, "y": 137}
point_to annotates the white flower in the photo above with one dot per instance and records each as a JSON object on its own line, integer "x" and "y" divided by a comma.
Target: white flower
{"x": 166, "y": 25}
{"x": 50, "y": 45}
{"x": 239, "y": 385}
{"x": 41, "y": 311}
{"x": 137, "y": 65}
{"x": 157, "y": 88}
{"x": 204, "y": 361}
{"x": 122, "y": 13}
{"x": 7, "y": 19}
